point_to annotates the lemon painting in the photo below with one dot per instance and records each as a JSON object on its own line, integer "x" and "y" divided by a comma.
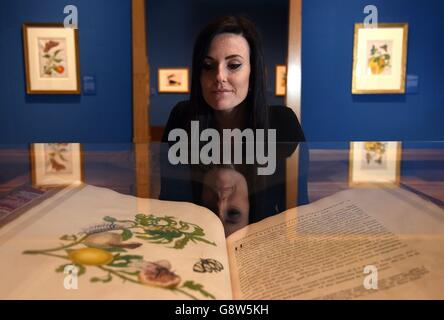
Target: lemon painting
{"x": 379, "y": 57}
{"x": 375, "y": 154}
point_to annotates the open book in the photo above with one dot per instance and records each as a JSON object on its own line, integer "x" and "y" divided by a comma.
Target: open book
{"x": 87, "y": 242}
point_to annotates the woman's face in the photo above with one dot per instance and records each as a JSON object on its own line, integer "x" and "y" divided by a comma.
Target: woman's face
{"x": 226, "y": 72}
{"x": 225, "y": 192}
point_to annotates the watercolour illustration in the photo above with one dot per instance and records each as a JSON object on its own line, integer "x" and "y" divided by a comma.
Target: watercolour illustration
{"x": 58, "y": 158}
{"x": 375, "y": 155}
{"x": 105, "y": 246}
{"x": 208, "y": 265}
{"x": 379, "y": 57}
{"x": 281, "y": 80}
{"x": 174, "y": 80}
{"x": 52, "y": 58}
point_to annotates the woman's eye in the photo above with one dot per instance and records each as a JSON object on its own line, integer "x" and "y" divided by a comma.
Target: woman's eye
{"x": 233, "y": 215}
{"x": 234, "y": 66}
{"x": 231, "y": 66}
{"x": 207, "y": 66}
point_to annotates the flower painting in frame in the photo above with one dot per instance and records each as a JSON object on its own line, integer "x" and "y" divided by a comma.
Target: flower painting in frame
{"x": 374, "y": 164}
{"x": 51, "y": 59}
{"x": 173, "y": 80}
{"x": 281, "y": 80}
{"x": 56, "y": 164}
{"x": 379, "y": 58}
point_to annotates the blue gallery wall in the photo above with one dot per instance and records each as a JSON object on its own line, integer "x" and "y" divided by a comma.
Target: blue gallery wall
{"x": 172, "y": 27}
{"x": 331, "y": 112}
{"x": 105, "y": 52}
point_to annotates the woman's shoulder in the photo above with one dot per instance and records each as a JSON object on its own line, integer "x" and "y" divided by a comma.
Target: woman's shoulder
{"x": 281, "y": 113}
{"x": 178, "y": 118}
{"x": 181, "y": 109}
{"x": 286, "y": 123}
{"x": 280, "y": 109}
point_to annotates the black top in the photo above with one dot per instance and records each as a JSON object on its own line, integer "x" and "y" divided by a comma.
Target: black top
{"x": 267, "y": 192}
{"x": 281, "y": 118}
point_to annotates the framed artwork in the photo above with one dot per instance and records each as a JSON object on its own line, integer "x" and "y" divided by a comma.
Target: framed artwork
{"x": 56, "y": 164}
{"x": 173, "y": 80}
{"x": 374, "y": 164}
{"x": 51, "y": 55}
{"x": 379, "y": 58}
{"x": 281, "y": 80}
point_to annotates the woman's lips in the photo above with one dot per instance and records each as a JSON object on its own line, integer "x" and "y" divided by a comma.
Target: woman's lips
{"x": 222, "y": 92}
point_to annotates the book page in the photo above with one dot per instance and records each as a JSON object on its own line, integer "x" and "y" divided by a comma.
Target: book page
{"x": 123, "y": 247}
{"x": 321, "y": 250}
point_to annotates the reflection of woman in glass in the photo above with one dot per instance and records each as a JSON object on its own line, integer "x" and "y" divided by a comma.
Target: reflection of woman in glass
{"x": 225, "y": 192}
{"x": 227, "y": 91}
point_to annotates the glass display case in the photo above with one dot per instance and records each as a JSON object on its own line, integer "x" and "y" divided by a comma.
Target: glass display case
{"x": 330, "y": 215}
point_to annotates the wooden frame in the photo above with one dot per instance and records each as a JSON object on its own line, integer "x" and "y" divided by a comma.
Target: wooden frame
{"x": 293, "y": 94}
{"x": 51, "y": 54}
{"x": 375, "y": 164}
{"x": 173, "y": 80}
{"x": 280, "y": 80}
{"x": 379, "y": 58}
{"x": 56, "y": 164}
{"x": 141, "y": 98}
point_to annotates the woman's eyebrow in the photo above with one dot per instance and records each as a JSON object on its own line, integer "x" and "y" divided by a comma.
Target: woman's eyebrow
{"x": 227, "y": 57}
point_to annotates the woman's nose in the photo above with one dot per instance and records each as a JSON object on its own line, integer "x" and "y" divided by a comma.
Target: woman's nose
{"x": 221, "y": 75}
{"x": 221, "y": 207}
{"x": 224, "y": 193}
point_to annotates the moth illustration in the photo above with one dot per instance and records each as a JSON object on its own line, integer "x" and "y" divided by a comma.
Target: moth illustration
{"x": 208, "y": 265}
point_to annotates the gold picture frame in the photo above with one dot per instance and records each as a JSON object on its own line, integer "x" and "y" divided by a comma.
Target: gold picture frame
{"x": 379, "y": 58}
{"x": 173, "y": 80}
{"x": 56, "y": 164}
{"x": 375, "y": 164}
{"x": 51, "y": 54}
{"x": 281, "y": 80}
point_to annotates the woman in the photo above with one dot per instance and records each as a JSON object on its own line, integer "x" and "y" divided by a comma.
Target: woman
{"x": 228, "y": 92}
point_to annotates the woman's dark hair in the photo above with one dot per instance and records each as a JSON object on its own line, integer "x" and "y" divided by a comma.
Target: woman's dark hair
{"x": 257, "y": 109}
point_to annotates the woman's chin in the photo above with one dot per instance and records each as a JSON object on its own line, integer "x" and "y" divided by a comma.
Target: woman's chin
{"x": 221, "y": 105}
